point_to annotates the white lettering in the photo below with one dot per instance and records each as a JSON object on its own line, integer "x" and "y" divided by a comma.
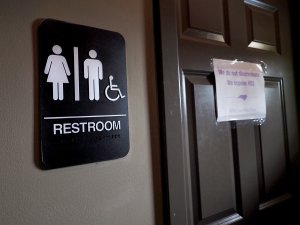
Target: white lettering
{"x": 57, "y": 127}
{"x": 67, "y": 128}
{"x": 91, "y": 126}
{"x": 83, "y": 127}
{"x": 108, "y": 125}
{"x": 75, "y": 128}
{"x": 97, "y": 126}
{"x": 117, "y": 126}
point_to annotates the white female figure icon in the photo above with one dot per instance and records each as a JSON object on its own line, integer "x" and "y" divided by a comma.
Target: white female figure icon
{"x": 57, "y": 70}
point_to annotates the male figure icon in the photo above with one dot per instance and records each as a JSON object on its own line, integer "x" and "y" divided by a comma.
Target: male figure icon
{"x": 93, "y": 71}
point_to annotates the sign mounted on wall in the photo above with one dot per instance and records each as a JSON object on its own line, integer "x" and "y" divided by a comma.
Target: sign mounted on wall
{"x": 83, "y": 94}
{"x": 240, "y": 90}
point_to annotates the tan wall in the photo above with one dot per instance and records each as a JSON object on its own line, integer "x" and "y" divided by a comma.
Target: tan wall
{"x": 125, "y": 191}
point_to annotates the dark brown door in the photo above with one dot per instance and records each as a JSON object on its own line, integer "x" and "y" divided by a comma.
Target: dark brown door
{"x": 224, "y": 173}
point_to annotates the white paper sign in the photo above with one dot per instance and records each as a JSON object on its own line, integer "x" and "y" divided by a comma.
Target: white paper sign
{"x": 240, "y": 90}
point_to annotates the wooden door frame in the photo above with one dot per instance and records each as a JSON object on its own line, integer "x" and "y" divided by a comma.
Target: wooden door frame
{"x": 294, "y": 18}
{"x": 176, "y": 207}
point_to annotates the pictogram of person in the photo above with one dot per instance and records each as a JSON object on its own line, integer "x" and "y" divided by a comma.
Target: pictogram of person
{"x": 113, "y": 88}
{"x": 57, "y": 70}
{"x": 93, "y": 71}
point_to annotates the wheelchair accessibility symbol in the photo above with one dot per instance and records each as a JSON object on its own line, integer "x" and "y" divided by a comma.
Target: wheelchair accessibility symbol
{"x": 112, "y": 92}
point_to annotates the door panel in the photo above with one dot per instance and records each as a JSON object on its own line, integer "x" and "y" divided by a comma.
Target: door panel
{"x": 213, "y": 184}
{"x": 272, "y": 153}
{"x": 225, "y": 172}
{"x": 197, "y": 25}
{"x": 262, "y": 26}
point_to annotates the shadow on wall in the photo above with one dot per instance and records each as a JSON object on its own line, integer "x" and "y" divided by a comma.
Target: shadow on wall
{"x": 36, "y": 136}
{"x": 152, "y": 92}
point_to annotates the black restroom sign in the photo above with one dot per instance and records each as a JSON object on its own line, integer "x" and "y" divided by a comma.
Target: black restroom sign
{"x": 83, "y": 94}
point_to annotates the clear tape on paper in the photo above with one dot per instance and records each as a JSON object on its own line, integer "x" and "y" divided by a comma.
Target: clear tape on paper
{"x": 240, "y": 90}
